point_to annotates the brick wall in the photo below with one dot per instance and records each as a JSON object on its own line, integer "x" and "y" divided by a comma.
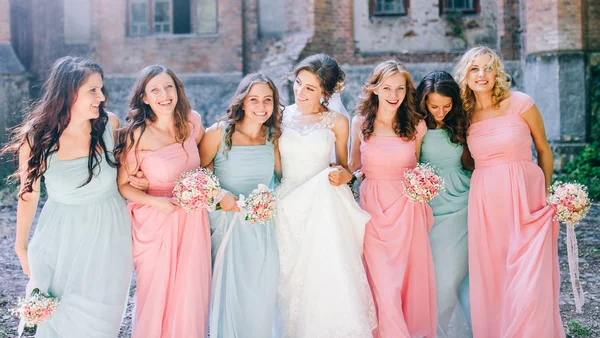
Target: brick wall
{"x": 4, "y": 21}
{"x": 118, "y": 53}
{"x": 554, "y": 25}
{"x": 592, "y": 24}
{"x": 509, "y": 29}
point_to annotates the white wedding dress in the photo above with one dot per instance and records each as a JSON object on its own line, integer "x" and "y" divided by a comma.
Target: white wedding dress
{"x": 323, "y": 289}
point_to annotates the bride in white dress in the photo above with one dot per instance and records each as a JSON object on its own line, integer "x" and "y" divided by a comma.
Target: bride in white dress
{"x": 323, "y": 289}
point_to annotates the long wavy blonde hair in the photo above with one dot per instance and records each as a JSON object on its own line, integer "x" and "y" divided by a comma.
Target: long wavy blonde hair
{"x": 461, "y": 71}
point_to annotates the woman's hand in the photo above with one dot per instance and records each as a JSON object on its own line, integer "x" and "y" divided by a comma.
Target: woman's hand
{"x": 139, "y": 181}
{"x": 165, "y": 205}
{"x": 228, "y": 203}
{"x": 339, "y": 176}
{"x": 22, "y": 255}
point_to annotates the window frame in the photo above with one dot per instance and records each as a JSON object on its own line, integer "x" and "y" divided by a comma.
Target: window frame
{"x": 444, "y": 10}
{"x": 150, "y": 23}
{"x": 373, "y": 9}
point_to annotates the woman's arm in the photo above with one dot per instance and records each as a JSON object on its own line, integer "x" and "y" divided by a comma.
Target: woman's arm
{"x": 533, "y": 117}
{"x": 278, "y": 171}
{"x": 341, "y": 131}
{"x": 355, "y": 161}
{"x": 467, "y": 160}
{"x": 26, "y": 208}
{"x": 209, "y": 146}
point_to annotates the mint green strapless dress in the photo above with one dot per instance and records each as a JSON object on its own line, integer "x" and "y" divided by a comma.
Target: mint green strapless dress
{"x": 81, "y": 248}
{"x": 448, "y": 236}
{"x": 245, "y": 283}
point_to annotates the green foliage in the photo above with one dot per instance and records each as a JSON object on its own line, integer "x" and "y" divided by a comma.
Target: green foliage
{"x": 585, "y": 168}
{"x": 577, "y": 330}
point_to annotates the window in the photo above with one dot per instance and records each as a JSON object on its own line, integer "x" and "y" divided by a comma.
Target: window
{"x": 155, "y": 17}
{"x": 389, "y": 7}
{"x": 460, "y": 6}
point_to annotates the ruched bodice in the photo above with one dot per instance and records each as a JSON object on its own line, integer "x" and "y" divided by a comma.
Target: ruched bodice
{"x": 500, "y": 140}
{"x": 64, "y": 179}
{"x": 242, "y": 168}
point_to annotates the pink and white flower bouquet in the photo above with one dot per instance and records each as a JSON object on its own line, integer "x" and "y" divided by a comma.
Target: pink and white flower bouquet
{"x": 422, "y": 183}
{"x": 260, "y": 205}
{"x": 198, "y": 188}
{"x": 36, "y": 308}
{"x": 572, "y": 203}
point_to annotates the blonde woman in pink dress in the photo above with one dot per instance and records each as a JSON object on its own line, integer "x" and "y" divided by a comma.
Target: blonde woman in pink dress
{"x": 386, "y": 140}
{"x": 513, "y": 253}
{"x": 171, "y": 248}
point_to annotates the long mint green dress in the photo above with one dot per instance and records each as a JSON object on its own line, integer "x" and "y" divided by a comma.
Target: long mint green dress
{"x": 245, "y": 283}
{"x": 81, "y": 248}
{"x": 448, "y": 236}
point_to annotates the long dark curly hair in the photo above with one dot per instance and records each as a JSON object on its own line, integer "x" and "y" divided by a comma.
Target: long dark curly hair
{"x": 455, "y": 122}
{"x": 407, "y": 117}
{"x": 141, "y": 114}
{"x": 235, "y": 113}
{"x": 49, "y": 116}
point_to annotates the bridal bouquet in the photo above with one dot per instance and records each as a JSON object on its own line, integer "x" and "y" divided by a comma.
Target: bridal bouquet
{"x": 260, "y": 205}
{"x": 422, "y": 183}
{"x": 198, "y": 188}
{"x": 572, "y": 204}
{"x": 36, "y": 308}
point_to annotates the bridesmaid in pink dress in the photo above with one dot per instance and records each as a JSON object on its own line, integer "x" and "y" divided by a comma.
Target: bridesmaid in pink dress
{"x": 386, "y": 140}
{"x": 513, "y": 252}
{"x": 171, "y": 248}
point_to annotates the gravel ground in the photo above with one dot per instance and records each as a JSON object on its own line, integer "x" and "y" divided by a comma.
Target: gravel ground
{"x": 12, "y": 280}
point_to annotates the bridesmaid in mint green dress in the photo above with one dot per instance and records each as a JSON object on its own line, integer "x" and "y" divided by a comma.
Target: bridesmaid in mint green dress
{"x": 245, "y": 258}
{"x": 81, "y": 249}
{"x": 444, "y": 147}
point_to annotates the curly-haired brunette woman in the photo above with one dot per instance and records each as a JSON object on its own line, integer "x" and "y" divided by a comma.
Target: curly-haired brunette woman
{"x": 243, "y": 151}
{"x": 81, "y": 248}
{"x": 171, "y": 247}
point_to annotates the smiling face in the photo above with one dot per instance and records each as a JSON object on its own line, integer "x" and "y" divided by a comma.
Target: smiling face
{"x": 481, "y": 76}
{"x": 439, "y": 106}
{"x": 307, "y": 90}
{"x": 160, "y": 94}
{"x": 391, "y": 92}
{"x": 88, "y": 99}
{"x": 258, "y": 104}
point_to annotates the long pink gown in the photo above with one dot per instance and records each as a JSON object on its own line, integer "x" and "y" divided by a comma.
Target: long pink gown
{"x": 171, "y": 253}
{"x": 396, "y": 248}
{"x": 513, "y": 252}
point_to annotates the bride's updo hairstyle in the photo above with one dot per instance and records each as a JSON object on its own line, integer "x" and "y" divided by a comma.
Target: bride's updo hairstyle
{"x": 327, "y": 70}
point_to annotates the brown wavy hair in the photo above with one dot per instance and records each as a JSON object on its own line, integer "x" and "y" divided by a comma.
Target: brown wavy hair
{"x": 49, "y": 116}
{"x": 235, "y": 113}
{"x": 407, "y": 117}
{"x": 327, "y": 70}
{"x": 455, "y": 122}
{"x": 140, "y": 114}
{"x": 501, "y": 86}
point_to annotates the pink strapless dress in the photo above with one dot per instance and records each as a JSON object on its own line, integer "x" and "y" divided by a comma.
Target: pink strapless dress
{"x": 171, "y": 253}
{"x": 513, "y": 251}
{"x": 396, "y": 248}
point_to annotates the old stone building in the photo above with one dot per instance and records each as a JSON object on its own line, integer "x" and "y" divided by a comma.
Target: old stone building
{"x": 548, "y": 45}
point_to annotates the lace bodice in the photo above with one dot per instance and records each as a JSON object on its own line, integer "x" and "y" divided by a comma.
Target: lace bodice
{"x": 305, "y": 148}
